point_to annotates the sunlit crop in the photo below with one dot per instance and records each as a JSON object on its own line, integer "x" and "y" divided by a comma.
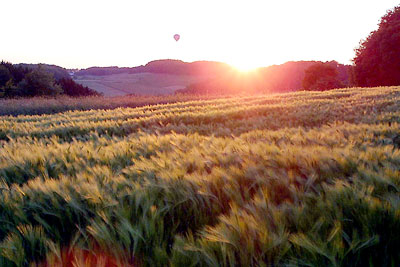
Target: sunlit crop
{"x": 303, "y": 179}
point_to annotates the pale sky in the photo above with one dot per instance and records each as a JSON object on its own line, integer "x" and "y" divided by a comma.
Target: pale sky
{"x": 84, "y": 33}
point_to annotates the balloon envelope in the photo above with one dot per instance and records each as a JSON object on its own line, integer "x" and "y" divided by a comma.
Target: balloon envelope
{"x": 177, "y": 37}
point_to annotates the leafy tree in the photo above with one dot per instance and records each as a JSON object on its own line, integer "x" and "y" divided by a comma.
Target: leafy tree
{"x": 377, "y": 60}
{"x": 37, "y": 80}
{"x": 321, "y": 76}
{"x": 17, "y": 73}
{"x": 58, "y": 72}
{"x": 11, "y": 90}
{"x": 5, "y": 75}
{"x": 38, "y": 83}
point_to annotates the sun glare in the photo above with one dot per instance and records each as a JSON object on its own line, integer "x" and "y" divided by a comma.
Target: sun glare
{"x": 244, "y": 66}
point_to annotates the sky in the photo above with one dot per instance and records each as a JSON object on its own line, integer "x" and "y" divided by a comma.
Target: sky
{"x": 246, "y": 34}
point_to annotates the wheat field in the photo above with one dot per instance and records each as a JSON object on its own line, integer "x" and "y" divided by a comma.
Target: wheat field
{"x": 297, "y": 179}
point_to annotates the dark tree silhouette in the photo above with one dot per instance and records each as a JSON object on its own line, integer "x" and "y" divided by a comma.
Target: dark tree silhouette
{"x": 17, "y": 73}
{"x": 24, "y": 80}
{"x": 5, "y": 75}
{"x": 377, "y": 60}
{"x": 71, "y": 88}
{"x": 321, "y": 76}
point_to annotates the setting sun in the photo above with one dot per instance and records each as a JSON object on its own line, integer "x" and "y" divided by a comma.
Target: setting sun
{"x": 245, "y": 66}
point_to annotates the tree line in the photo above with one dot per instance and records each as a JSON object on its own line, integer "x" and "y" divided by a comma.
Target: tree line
{"x": 376, "y": 63}
{"x": 38, "y": 80}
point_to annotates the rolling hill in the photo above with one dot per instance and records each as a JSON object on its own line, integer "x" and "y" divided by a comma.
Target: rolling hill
{"x": 161, "y": 77}
{"x": 157, "y": 77}
{"x": 144, "y": 83}
{"x": 286, "y": 77}
{"x": 201, "y": 77}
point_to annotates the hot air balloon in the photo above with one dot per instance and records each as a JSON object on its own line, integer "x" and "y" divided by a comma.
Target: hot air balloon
{"x": 177, "y": 37}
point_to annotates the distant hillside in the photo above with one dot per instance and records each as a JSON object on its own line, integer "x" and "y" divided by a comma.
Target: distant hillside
{"x": 276, "y": 78}
{"x": 157, "y": 77}
{"x": 202, "y": 68}
{"x": 200, "y": 77}
{"x": 166, "y": 66}
{"x": 138, "y": 83}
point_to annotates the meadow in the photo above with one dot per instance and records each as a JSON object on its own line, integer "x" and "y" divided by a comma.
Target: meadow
{"x": 296, "y": 179}
{"x": 138, "y": 83}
